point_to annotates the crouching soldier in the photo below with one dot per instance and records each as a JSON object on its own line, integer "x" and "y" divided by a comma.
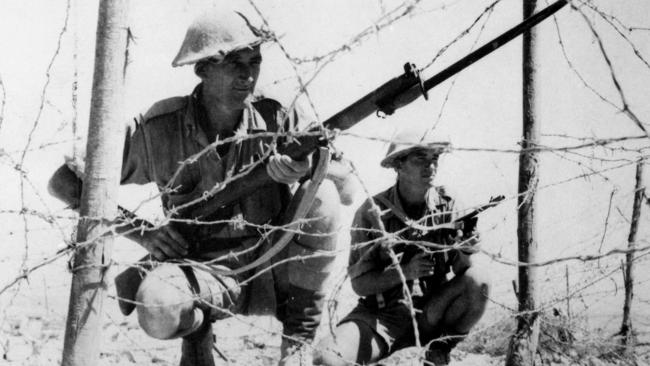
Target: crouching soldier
{"x": 180, "y": 301}
{"x": 446, "y": 307}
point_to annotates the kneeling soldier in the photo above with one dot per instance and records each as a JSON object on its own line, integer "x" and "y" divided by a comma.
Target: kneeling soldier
{"x": 180, "y": 301}
{"x": 446, "y": 307}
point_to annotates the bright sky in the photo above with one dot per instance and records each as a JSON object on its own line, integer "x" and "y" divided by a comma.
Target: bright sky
{"x": 483, "y": 109}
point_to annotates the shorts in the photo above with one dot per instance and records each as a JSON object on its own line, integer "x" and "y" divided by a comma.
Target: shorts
{"x": 392, "y": 323}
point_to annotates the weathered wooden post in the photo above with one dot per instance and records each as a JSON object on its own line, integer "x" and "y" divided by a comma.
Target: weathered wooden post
{"x": 626, "y": 333}
{"x": 102, "y": 173}
{"x": 523, "y": 344}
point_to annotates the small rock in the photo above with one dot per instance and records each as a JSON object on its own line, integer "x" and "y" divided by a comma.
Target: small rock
{"x": 557, "y": 358}
{"x": 18, "y": 351}
{"x": 593, "y": 361}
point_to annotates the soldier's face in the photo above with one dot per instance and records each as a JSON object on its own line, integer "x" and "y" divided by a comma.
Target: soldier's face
{"x": 418, "y": 168}
{"x": 233, "y": 80}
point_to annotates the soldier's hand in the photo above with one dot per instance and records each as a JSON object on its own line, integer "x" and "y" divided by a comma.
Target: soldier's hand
{"x": 164, "y": 243}
{"x": 283, "y": 169}
{"x": 420, "y": 265}
{"x": 469, "y": 243}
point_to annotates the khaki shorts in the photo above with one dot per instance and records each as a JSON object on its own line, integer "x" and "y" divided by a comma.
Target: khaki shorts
{"x": 392, "y": 323}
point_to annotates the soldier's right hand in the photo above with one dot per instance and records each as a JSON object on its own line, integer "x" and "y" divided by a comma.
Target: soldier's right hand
{"x": 420, "y": 265}
{"x": 283, "y": 169}
{"x": 164, "y": 242}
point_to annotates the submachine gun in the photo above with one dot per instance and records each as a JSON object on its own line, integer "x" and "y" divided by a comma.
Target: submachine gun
{"x": 467, "y": 222}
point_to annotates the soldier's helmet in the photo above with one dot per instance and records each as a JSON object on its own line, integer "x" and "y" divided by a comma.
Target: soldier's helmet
{"x": 409, "y": 140}
{"x": 216, "y": 33}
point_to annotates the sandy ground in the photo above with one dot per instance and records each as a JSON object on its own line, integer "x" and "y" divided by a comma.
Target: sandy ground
{"x": 38, "y": 342}
{"x": 32, "y": 324}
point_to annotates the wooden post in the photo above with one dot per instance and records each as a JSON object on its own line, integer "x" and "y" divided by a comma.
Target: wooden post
{"x": 523, "y": 344}
{"x": 626, "y": 332}
{"x": 102, "y": 174}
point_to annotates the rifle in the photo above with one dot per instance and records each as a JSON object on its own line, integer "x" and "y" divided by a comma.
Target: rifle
{"x": 387, "y": 98}
{"x": 468, "y": 221}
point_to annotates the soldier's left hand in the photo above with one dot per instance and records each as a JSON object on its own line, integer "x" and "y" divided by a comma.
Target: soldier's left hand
{"x": 469, "y": 243}
{"x": 283, "y": 169}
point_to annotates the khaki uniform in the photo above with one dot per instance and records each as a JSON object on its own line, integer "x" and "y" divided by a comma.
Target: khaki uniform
{"x": 387, "y": 313}
{"x": 170, "y": 133}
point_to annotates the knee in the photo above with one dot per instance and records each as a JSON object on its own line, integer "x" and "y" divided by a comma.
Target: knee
{"x": 321, "y": 229}
{"x": 323, "y": 358}
{"x": 316, "y": 246}
{"x": 325, "y": 355}
{"x": 478, "y": 279}
{"x": 476, "y": 282}
{"x": 163, "y": 300}
{"x": 315, "y": 249}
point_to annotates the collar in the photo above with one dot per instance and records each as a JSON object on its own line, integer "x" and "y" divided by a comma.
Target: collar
{"x": 251, "y": 121}
{"x": 433, "y": 200}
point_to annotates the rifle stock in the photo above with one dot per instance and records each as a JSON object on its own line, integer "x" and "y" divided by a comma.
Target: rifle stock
{"x": 387, "y": 98}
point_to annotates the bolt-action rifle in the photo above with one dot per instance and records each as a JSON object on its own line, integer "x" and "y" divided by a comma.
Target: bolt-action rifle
{"x": 385, "y": 99}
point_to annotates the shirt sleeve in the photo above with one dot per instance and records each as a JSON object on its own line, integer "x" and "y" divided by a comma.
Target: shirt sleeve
{"x": 364, "y": 253}
{"x": 135, "y": 157}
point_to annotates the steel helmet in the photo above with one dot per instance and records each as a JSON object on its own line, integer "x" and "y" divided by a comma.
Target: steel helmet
{"x": 215, "y": 34}
{"x": 409, "y": 140}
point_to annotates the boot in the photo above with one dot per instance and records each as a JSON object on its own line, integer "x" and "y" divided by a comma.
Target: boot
{"x": 439, "y": 352}
{"x": 302, "y": 312}
{"x": 294, "y": 353}
{"x": 197, "y": 347}
{"x": 437, "y": 355}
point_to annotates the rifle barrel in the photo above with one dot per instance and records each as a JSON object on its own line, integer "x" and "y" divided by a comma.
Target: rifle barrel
{"x": 411, "y": 91}
{"x": 494, "y": 44}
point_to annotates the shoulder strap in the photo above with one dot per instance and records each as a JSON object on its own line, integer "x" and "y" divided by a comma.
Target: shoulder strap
{"x": 298, "y": 208}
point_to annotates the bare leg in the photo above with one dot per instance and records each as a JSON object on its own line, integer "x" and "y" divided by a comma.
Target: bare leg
{"x": 173, "y": 303}
{"x": 459, "y": 305}
{"x": 166, "y": 303}
{"x": 452, "y": 312}
{"x": 353, "y": 343}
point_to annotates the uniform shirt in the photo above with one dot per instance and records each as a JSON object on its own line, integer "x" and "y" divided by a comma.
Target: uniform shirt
{"x": 368, "y": 254}
{"x": 158, "y": 142}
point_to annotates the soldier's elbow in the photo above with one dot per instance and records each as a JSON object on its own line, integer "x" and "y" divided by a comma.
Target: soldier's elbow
{"x": 65, "y": 186}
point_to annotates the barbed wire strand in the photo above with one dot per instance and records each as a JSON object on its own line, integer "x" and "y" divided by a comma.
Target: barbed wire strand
{"x": 570, "y": 153}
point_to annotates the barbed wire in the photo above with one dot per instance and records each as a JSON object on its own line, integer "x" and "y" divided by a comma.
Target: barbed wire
{"x": 616, "y": 24}
{"x": 386, "y": 19}
{"x": 617, "y": 155}
{"x": 625, "y": 107}
{"x": 487, "y": 13}
{"x": 3, "y": 103}
{"x": 484, "y": 14}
